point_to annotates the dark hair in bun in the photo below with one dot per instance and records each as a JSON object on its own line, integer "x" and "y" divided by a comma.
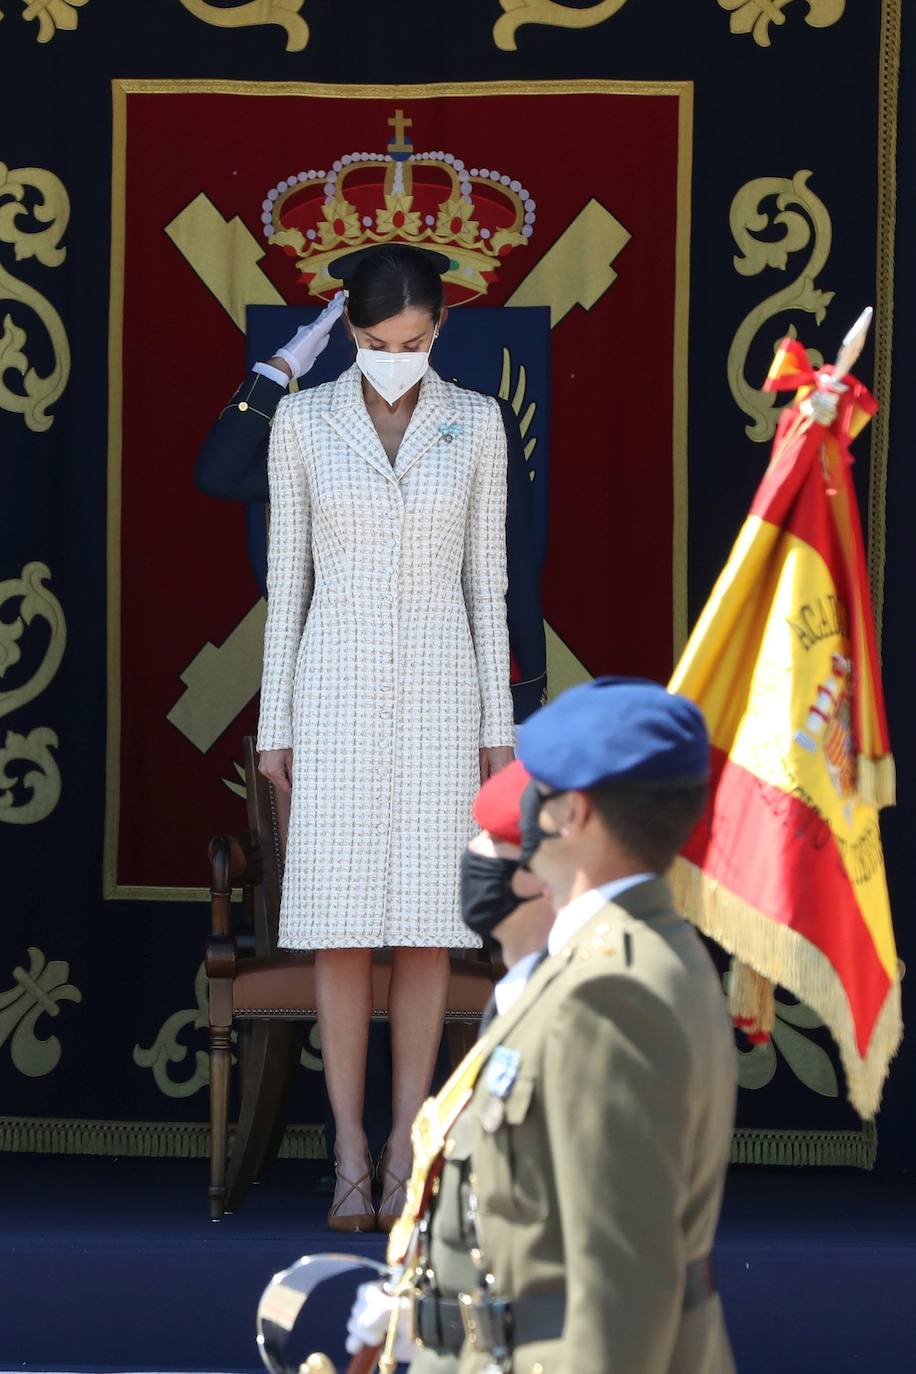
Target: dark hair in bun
{"x": 383, "y": 281}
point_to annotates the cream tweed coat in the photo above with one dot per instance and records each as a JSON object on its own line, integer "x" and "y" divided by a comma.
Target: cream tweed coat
{"x": 386, "y": 657}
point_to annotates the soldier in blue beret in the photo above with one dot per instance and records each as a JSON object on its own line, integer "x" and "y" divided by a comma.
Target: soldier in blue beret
{"x": 593, "y": 1151}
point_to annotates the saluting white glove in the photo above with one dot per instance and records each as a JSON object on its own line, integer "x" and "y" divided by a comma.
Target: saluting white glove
{"x": 303, "y": 348}
{"x": 369, "y": 1319}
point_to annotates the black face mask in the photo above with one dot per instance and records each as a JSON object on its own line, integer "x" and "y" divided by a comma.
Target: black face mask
{"x": 530, "y": 826}
{"x": 487, "y": 897}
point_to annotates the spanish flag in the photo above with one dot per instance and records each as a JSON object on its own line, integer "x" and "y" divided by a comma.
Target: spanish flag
{"x": 786, "y": 870}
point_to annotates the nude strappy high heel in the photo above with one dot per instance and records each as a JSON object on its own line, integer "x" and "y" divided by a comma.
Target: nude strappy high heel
{"x": 353, "y": 1221}
{"x": 393, "y": 1200}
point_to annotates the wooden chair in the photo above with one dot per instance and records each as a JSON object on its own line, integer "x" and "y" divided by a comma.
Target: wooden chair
{"x": 266, "y": 994}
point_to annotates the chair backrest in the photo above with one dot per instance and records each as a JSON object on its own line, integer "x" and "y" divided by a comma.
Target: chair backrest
{"x": 268, "y": 821}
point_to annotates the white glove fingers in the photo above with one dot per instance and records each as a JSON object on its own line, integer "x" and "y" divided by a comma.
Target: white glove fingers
{"x": 300, "y": 352}
{"x": 331, "y": 311}
{"x": 369, "y": 1317}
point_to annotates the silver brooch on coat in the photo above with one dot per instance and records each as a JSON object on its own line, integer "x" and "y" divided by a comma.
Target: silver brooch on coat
{"x": 449, "y": 429}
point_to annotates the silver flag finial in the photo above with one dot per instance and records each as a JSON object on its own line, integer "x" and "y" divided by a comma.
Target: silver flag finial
{"x": 853, "y": 344}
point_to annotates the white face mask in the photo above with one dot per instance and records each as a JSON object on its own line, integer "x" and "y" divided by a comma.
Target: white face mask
{"x": 393, "y": 374}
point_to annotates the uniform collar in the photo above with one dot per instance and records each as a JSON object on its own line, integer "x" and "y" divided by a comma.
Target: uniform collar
{"x": 511, "y": 986}
{"x": 577, "y": 913}
{"x": 635, "y": 896}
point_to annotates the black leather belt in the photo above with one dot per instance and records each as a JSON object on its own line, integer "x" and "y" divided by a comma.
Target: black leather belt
{"x": 487, "y": 1323}
{"x": 496, "y": 1323}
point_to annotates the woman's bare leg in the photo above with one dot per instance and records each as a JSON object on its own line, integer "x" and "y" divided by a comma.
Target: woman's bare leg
{"x": 416, "y": 1009}
{"x": 343, "y": 996}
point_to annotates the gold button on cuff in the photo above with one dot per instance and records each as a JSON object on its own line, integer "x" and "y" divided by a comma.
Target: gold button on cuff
{"x": 243, "y": 405}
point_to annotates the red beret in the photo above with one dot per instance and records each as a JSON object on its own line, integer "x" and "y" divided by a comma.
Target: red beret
{"x": 497, "y": 803}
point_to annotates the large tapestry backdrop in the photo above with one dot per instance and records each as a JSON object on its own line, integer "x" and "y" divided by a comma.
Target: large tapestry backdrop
{"x": 649, "y": 197}
{"x": 531, "y": 217}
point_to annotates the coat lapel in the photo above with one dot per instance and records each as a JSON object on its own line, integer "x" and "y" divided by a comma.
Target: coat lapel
{"x": 347, "y": 415}
{"x": 428, "y": 424}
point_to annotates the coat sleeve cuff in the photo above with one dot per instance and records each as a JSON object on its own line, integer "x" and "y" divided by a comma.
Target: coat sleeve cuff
{"x": 501, "y": 738}
{"x": 265, "y": 742}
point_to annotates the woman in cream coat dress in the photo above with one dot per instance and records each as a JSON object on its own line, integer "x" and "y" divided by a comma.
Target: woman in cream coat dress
{"x": 385, "y": 694}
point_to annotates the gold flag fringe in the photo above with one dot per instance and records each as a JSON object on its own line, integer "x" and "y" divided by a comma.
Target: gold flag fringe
{"x": 780, "y": 954}
{"x": 752, "y": 1000}
{"x": 877, "y": 780}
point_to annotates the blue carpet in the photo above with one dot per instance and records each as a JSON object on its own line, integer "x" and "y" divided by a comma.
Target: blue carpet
{"x": 113, "y": 1265}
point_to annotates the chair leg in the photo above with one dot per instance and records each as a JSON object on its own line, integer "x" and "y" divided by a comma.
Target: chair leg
{"x": 242, "y": 1046}
{"x": 461, "y": 1038}
{"x": 220, "y": 1058}
{"x": 263, "y": 1093}
{"x": 296, "y": 1031}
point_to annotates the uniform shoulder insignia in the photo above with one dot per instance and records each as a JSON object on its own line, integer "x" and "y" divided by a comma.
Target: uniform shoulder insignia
{"x": 600, "y": 942}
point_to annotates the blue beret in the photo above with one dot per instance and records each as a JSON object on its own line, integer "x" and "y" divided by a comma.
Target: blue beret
{"x": 615, "y": 729}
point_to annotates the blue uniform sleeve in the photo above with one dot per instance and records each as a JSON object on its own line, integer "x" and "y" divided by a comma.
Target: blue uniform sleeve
{"x": 523, "y": 596}
{"x": 232, "y": 462}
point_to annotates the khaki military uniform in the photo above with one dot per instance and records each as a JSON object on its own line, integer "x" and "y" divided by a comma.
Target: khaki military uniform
{"x": 450, "y": 1271}
{"x": 596, "y": 1155}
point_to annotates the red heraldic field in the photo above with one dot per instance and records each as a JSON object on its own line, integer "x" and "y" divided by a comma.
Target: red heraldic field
{"x": 786, "y": 870}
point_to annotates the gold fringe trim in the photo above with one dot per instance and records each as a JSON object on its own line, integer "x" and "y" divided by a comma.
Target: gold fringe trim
{"x": 783, "y": 956}
{"x": 752, "y": 1000}
{"x": 174, "y": 1140}
{"x": 137, "y": 1139}
{"x": 877, "y": 780}
{"x": 800, "y": 1149}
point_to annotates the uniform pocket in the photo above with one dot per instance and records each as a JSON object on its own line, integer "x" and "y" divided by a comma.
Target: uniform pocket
{"x": 516, "y": 1158}
{"x": 519, "y": 1101}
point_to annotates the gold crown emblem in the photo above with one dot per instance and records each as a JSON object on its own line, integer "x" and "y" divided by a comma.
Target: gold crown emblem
{"x": 474, "y": 216}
